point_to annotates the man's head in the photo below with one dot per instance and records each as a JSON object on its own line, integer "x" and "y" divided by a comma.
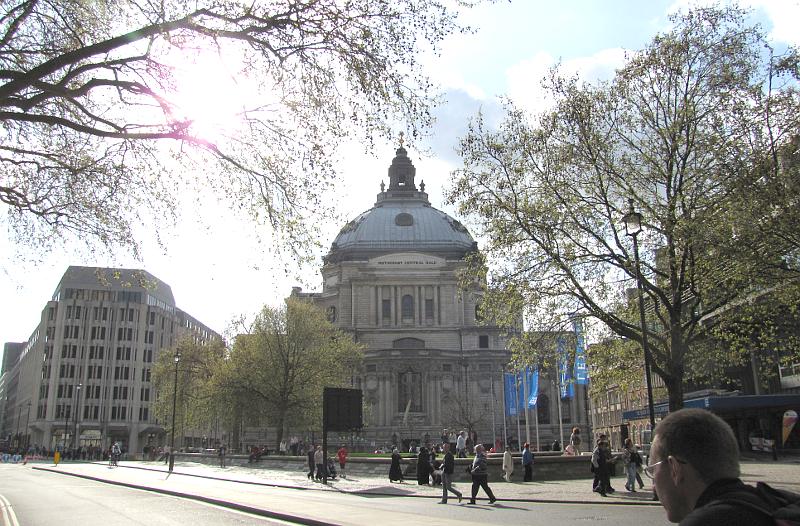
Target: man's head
{"x": 445, "y": 447}
{"x": 693, "y": 448}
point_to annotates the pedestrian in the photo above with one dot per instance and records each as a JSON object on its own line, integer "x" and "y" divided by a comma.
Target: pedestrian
{"x": 629, "y": 463}
{"x": 319, "y": 460}
{"x": 310, "y": 455}
{"x": 480, "y": 475}
{"x": 527, "y": 462}
{"x": 423, "y": 467}
{"x": 282, "y": 448}
{"x": 601, "y": 462}
{"x": 461, "y": 445}
{"x": 221, "y": 454}
{"x": 342, "y": 455}
{"x": 556, "y": 445}
{"x": 395, "y": 471}
{"x": 695, "y": 470}
{"x": 508, "y": 465}
{"x": 575, "y": 440}
{"x": 448, "y": 468}
{"x": 639, "y": 461}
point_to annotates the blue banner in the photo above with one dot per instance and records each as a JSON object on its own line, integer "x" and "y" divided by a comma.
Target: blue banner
{"x": 581, "y": 371}
{"x": 510, "y": 393}
{"x": 533, "y": 388}
{"x": 567, "y": 388}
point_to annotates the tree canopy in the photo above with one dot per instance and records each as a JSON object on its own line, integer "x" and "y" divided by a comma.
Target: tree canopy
{"x": 685, "y": 130}
{"x": 278, "y": 368}
{"x": 95, "y": 139}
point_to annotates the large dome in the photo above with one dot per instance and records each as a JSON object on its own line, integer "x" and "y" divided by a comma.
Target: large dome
{"x": 402, "y": 220}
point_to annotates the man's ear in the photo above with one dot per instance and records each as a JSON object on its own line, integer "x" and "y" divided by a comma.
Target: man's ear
{"x": 677, "y": 470}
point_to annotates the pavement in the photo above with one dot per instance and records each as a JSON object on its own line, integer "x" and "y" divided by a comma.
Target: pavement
{"x": 248, "y": 488}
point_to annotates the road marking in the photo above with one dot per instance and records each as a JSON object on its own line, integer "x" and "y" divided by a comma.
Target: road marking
{"x": 9, "y": 517}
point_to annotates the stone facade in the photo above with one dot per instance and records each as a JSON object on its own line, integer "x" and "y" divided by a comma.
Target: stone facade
{"x": 391, "y": 279}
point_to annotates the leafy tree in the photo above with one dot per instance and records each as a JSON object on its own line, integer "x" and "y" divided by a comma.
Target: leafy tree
{"x": 95, "y": 140}
{"x": 280, "y": 365}
{"x": 680, "y": 126}
{"x": 198, "y": 405}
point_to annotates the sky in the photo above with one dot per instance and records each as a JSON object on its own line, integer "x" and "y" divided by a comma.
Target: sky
{"x": 218, "y": 269}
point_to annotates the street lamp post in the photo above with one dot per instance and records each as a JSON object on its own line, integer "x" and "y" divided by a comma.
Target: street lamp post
{"x": 633, "y": 226}
{"x": 174, "y": 405}
{"x": 27, "y": 421}
{"x": 16, "y": 433}
{"x": 77, "y": 401}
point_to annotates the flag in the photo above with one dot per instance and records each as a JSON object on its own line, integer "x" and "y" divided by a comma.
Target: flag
{"x": 533, "y": 388}
{"x": 567, "y": 389}
{"x": 581, "y": 371}
{"x": 510, "y": 393}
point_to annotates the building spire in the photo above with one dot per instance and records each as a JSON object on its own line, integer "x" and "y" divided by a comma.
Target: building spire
{"x": 402, "y": 171}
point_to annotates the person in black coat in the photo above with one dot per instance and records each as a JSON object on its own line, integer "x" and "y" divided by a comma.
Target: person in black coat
{"x": 311, "y": 465}
{"x": 395, "y": 471}
{"x": 423, "y": 467}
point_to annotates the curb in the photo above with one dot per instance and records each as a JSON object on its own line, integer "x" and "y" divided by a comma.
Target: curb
{"x": 209, "y": 500}
{"x": 368, "y": 493}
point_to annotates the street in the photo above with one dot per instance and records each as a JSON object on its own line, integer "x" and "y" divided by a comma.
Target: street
{"x": 40, "y": 498}
{"x": 44, "y": 497}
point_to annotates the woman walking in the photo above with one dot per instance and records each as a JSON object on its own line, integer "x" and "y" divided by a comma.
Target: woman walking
{"x": 480, "y": 475}
{"x": 395, "y": 472}
{"x": 575, "y": 440}
{"x": 508, "y": 465}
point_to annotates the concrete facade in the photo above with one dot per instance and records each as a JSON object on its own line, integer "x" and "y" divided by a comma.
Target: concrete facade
{"x": 84, "y": 375}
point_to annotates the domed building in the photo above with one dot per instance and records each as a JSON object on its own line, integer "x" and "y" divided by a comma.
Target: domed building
{"x": 390, "y": 279}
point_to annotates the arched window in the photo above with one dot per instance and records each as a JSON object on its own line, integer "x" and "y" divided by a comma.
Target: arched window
{"x": 331, "y": 314}
{"x": 409, "y": 391}
{"x": 407, "y": 307}
{"x": 543, "y": 408}
{"x": 478, "y": 315}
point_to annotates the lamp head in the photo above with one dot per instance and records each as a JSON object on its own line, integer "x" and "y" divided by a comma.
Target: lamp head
{"x": 177, "y": 356}
{"x": 632, "y": 220}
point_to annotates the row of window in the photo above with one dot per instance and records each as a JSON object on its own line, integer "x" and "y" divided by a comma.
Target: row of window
{"x": 92, "y": 412}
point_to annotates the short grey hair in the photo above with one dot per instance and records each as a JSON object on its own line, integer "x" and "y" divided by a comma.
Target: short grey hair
{"x": 702, "y": 439}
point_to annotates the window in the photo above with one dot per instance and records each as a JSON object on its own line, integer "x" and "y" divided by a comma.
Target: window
{"x": 130, "y": 314}
{"x": 77, "y": 312}
{"x": 407, "y": 307}
{"x": 483, "y": 341}
{"x": 478, "y": 315}
{"x": 152, "y": 318}
{"x": 331, "y": 314}
{"x": 429, "y": 310}
{"x": 543, "y": 408}
{"x": 386, "y": 310}
{"x": 566, "y": 411}
{"x": 409, "y": 391}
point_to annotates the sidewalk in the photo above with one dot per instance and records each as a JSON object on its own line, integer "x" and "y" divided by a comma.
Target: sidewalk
{"x": 221, "y": 485}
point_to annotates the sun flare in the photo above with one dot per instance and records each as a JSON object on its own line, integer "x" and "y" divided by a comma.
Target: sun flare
{"x": 212, "y": 92}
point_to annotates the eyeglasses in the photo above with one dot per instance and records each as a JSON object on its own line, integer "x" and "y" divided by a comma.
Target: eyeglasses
{"x": 650, "y": 470}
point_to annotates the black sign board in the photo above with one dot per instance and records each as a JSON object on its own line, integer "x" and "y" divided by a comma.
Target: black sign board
{"x": 342, "y": 409}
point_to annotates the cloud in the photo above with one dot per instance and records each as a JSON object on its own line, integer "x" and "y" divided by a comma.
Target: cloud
{"x": 782, "y": 15}
{"x": 525, "y": 78}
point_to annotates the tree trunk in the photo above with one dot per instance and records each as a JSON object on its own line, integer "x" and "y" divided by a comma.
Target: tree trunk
{"x": 674, "y": 385}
